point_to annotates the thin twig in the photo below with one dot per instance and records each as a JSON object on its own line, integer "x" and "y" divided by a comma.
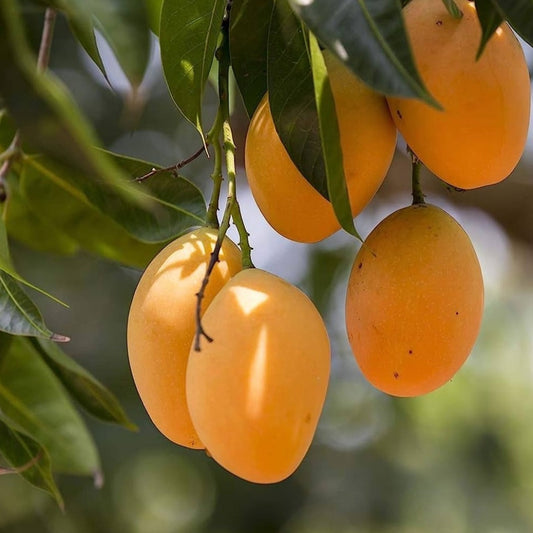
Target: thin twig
{"x": 228, "y": 145}
{"x": 171, "y": 168}
{"x": 46, "y": 39}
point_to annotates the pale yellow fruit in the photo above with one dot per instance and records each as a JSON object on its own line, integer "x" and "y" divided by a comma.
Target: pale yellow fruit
{"x": 161, "y": 326}
{"x": 256, "y": 392}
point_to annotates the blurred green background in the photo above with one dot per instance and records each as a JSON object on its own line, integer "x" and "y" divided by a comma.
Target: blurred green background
{"x": 457, "y": 460}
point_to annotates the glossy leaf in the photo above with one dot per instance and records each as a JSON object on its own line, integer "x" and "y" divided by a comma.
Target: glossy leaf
{"x": 124, "y": 25}
{"x": 330, "y": 139}
{"x": 249, "y": 48}
{"x": 90, "y": 393}
{"x": 27, "y": 457}
{"x": 19, "y": 315}
{"x": 519, "y": 14}
{"x": 45, "y": 113}
{"x": 32, "y": 396}
{"x": 188, "y": 36}
{"x": 177, "y": 203}
{"x": 46, "y": 189}
{"x": 490, "y": 19}
{"x": 370, "y": 38}
{"x": 291, "y": 96}
{"x": 80, "y": 19}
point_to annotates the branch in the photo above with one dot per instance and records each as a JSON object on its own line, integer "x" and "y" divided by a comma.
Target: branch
{"x": 418, "y": 195}
{"x": 171, "y": 168}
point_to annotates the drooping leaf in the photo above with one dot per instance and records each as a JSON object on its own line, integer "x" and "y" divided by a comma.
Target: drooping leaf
{"x": 19, "y": 315}
{"x": 153, "y": 7}
{"x": 176, "y": 204}
{"x": 249, "y": 48}
{"x": 490, "y": 19}
{"x": 27, "y": 457}
{"x": 45, "y": 113}
{"x": 90, "y": 393}
{"x": 369, "y": 36}
{"x": 47, "y": 193}
{"x": 188, "y": 36}
{"x": 124, "y": 25}
{"x": 291, "y": 96}
{"x": 32, "y": 396}
{"x": 80, "y": 19}
{"x": 330, "y": 139}
{"x": 519, "y": 14}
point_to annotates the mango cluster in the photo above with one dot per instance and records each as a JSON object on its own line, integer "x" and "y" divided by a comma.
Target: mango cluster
{"x": 251, "y": 397}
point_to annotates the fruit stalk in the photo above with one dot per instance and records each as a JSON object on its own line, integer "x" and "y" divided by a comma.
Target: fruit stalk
{"x": 228, "y": 146}
{"x": 418, "y": 195}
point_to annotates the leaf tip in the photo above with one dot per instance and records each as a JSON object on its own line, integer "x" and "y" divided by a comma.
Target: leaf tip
{"x": 56, "y": 337}
{"x": 98, "y": 479}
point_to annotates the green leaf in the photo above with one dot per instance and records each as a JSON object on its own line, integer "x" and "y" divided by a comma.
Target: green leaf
{"x": 6, "y": 265}
{"x": 46, "y": 189}
{"x": 33, "y": 231}
{"x": 519, "y": 14}
{"x": 45, "y": 113}
{"x": 249, "y": 48}
{"x": 452, "y": 8}
{"x": 189, "y": 33}
{"x": 124, "y": 25}
{"x": 90, "y": 393}
{"x": 153, "y": 7}
{"x": 177, "y": 203}
{"x": 291, "y": 96}
{"x": 19, "y": 315}
{"x": 330, "y": 139}
{"x": 32, "y": 396}
{"x": 369, "y": 36}
{"x": 27, "y": 457}
{"x": 490, "y": 19}
{"x": 80, "y": 19}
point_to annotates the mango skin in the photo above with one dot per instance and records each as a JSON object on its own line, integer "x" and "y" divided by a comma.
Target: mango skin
{"x": 414, "y": 301}
{"x": 368, "y": 139}
{"x": 480, "y": 135}
{"x": 161, "y": 326}
{"x": 256, "y": 392}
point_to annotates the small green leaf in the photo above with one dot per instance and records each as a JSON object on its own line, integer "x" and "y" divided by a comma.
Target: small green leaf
{"x": 80, "y": 19}
{"x": 249, "y": 48}
{"x": 32, "y": 397}
{"x": 124, "y": 25}
{"x": 452, "y": 8}
{"x": 90, "y": 393}
{"x": 19, "y": 315}
{"x": 369, "y": 36}
{"x": 189, "y": 33}
{"x": 44, "y": 111}
{"x": 329, "y": 135}
{"x": 519, "y": 14}
{"x": 291, "y": 96}
{"x": 53, "y": 201}
{"x": 27, "y": 458}
{"x": 490, "y": 19}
